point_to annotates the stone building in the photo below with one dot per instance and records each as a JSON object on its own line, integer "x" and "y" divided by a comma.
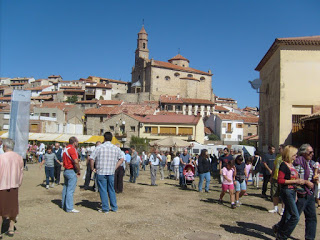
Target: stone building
{"x": 154, "y": 78}
{"x": 290, "y": 72}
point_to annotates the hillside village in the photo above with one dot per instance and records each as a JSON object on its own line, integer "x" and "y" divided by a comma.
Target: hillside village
{"x": 163, "y": 99}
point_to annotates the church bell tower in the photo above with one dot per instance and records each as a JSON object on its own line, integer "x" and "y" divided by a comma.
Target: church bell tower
{"x": 142, "y": 50}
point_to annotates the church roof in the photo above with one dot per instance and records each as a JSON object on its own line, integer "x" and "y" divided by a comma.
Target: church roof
{"x": 178, "y": 57}
{"x": 312, "y": 40}
{"x": 142, "y": 30}
{"x": 179, "y": 68}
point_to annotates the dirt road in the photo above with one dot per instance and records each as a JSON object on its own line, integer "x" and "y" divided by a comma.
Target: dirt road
{"x": 145, "y": 212}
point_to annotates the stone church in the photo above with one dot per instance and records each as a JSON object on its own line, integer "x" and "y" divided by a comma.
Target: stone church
{"x": 174, "y": 77}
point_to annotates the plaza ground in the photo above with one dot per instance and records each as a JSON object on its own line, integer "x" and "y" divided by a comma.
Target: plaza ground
{"x": 145, "y": 212}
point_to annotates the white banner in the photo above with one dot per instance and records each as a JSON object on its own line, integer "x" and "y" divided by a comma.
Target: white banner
{"x": 19, "y": 120}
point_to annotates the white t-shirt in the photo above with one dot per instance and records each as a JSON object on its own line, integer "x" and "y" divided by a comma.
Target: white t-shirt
{"x": 176, "y": 161}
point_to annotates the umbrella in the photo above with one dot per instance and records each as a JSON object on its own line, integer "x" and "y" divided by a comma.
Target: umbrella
{"x": 170, "y": 142}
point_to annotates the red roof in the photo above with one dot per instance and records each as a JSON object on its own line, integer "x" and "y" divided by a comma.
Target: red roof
{"x": 179, "y": 68}
{"x": 87, "y": 101}
{"x": 42, "y": 98}
{"x": 70, "y": 87}
{"x": 73, "y": 90}
{"x": 197, "y": 101}
{"x": 108, "y": 79}
{"x": 100, "y": 85}
{"x": 207, "y": 130}
{"x": 170, "y": 99}
{"x": 61, "y": 106}
{"x": 18, "y": 84}
{"x": 109, "y": 102}
{"x": 171, "y": 119}
{"x": 311, "y": 40}
{"x": 5, "y": 98}
{"x": 235, "y": 116}
{"x": 49, "y": 92}
{"x": 178, "y": 57}
{"x": 221, "y": 109}
{"x": 38, "y": 88}
{"x": 54, "y": 76}
{"x": 98, "y": 111}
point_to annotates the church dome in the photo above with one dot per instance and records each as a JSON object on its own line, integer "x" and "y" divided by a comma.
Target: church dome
{"x": 178, "y": 57}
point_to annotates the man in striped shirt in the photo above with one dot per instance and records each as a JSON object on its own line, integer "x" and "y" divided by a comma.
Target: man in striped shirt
{"x": 107, "y": 158}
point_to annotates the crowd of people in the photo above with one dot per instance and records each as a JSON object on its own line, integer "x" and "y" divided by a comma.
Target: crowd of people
{"x": 292, "y": 174}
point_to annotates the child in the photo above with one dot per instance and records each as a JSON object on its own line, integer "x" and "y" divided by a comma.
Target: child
{"x": 228, "y": 174}
{"x": 189, "y": 175}
{"x": 248, "y": 170}
{"x": 241, "y": 175}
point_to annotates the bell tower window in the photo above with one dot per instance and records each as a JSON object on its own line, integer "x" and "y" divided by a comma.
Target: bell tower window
{"x": 144, "y": 45}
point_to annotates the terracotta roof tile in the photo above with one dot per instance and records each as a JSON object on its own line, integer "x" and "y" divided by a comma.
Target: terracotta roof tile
{"x": 87, "y": 101}
{"x": 42, "y": 98}
{"x": 98, "y": 111}
{"x": 50, "y": 92}
{"x": 73, "y": 90}
{"x": 17, "y": 84}
{"x": 175, "y": 67}
{"x": 309, "y": 40}
{"x": 235, "y": 116}
{"x": 54, "y": 76}
{"x": 172, "y": 119}
{"x": 175, "y": 99}
{"x": 109, "y": 79}
{"x": 170, "y": 99}
{"x": 70, "y": 87}
{"x": 39, "y": 88}
{"x": 221, "y": 109}
{"x": 197, "y": 101}
{"x": 5, "y": 98}
{"x": 100, "y": 85}
{"x": 109, "y": 102}
{"x": 178, "y": 57}
{"x": 61, "y": 106}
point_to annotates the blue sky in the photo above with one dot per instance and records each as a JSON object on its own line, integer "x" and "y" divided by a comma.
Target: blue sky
{"x": 76, "y": 39}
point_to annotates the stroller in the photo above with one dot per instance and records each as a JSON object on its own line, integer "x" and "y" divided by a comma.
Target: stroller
{"x": 189, "y": 178}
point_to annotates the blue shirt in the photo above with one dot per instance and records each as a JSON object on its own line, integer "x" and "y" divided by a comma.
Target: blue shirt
{"x": 128, "y": 158}
{"x": 164, "y": 159}
{"x": 185, "y": 158}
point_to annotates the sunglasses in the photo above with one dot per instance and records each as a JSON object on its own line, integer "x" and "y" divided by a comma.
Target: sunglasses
{"x": 310, "y": 153}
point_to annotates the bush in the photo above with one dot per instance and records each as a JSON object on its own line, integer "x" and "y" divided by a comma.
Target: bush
{"x": 213, "y": 137}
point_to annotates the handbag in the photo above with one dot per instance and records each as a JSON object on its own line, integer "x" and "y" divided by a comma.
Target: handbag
{"x": 254, "y": 167}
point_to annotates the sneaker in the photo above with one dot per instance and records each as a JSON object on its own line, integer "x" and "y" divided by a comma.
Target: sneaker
{"x": 238, "y": 203}
{"x": 52, "y": 185}
{"x": 233, "y": 206}
{"x": 74, "y": 211}
{"x": 47, "y": 186}
{"x": 281, "y": 212}
{"x": 220, "y": 201}
{"x": 272, "y": 211}
{"x": 100, "y": 211}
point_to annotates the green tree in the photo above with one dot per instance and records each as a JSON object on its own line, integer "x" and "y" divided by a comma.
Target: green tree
{"x": 72, "y": 99}
{"x": 141, "y": 144}
{"x": 213, "y": 137}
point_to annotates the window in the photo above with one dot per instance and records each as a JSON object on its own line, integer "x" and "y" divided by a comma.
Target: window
{"x": 229, "y": 129}
{"x": 54, "y": 115}
{"x": 170, "y": 107}
{"x": 44, "y": 114}
{"x": 147, "y": 129}
{"x": 111, "y": 128}
{"x": 178, "y": 108}
{"x": 101, "y": 119}
{"x": 177, "y": 74}
{"x": 228, "y": 136}
{"x": 190, "y": 75}
{"x": 133, "y": 128}
{"x": 224, "y": 125}
{"x": 168, "y": 130}
{"x": 154, "y": 130}
{"x": 185, "y": 131}
{"x": 249, "y": 134}
{"x": 202, "y": 78}
{"x": 144, "y": 45}
{"x": 167, "y": 78}
{"x": 248, "y": 125}
{"x": 101, "y": 132}
{"x": 104, "y": 92}
{"x": 239, "y": 125}
{"x": 223, "y": 136}
{"x": 34, "y": 127}
{"x": 239, "y": 137}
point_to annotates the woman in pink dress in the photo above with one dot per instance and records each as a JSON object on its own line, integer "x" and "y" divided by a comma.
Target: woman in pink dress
{"x": 11, "y": 174}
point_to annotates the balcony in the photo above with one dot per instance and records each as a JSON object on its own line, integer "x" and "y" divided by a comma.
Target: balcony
{"x": 90, "y": 92}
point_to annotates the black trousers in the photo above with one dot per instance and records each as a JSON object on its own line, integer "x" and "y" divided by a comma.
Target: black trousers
{"x": 88, "y": 175}
{"x": 118, "y": 179}
{"x": 266, "y": 179}
{"x": 57, "y": 171}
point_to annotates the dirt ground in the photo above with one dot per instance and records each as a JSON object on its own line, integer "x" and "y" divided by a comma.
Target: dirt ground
{"x": 145, "y": 212}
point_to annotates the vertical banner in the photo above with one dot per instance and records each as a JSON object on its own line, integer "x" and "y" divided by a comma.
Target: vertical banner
{"x": 19, "y": 120}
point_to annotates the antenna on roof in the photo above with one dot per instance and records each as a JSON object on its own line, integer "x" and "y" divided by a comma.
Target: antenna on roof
{"x": 142, "y": 21}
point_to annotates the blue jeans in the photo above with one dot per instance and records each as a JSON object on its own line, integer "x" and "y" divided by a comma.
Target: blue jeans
{"x": 181, "y": 177}
{"x": 133, "y": 172}
{"x": 204, "y": 176}
{"x": 49, "y": 173}
{"x": 40, "y": 158}
{"x": 307, "y": 205}
{"x": 290, "y": 217}
{"x": 106, "y": 189}
{"x": 70, "y": 183}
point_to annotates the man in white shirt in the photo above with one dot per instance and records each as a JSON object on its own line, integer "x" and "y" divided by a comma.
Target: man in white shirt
{"x": 154, "y": 165}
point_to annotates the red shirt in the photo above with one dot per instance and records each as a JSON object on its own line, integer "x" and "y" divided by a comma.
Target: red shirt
{"x": 72, "y": 152}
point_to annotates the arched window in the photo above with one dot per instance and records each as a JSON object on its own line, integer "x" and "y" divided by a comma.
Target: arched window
{"x": 167, "y": 78}
{"x": 190, "y": 75}
{"x": 177, "y": 74}
{"x": 202, "y": 78}
{"x": 144, "y": 45}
